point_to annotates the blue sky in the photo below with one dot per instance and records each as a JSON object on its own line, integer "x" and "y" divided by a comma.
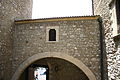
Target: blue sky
{"x": 61, "y": 8}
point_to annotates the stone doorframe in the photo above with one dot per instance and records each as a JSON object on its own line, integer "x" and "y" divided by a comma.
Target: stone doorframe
{"x": 64, "y": 56}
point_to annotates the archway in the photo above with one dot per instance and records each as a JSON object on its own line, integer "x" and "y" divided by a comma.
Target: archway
{"x": 63, "y": 56}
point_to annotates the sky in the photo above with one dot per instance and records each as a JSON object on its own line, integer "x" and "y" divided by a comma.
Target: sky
{"x": 61, "y": 8}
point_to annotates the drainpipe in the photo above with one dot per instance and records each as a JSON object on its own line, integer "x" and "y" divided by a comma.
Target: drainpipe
{"x": 92, "y": 7}
{"x": 104, "y": 71}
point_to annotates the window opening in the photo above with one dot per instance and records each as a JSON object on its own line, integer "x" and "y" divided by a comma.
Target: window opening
{"x": 52, "y": 35}
{"x": 113, "y": 18}
{"x": 118, "y": 14}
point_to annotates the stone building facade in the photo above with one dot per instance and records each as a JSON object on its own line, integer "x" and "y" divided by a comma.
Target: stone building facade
{"x": 79, "y": 42}
{"x": 109, "y": 11}
{"x": 9, "y": 11}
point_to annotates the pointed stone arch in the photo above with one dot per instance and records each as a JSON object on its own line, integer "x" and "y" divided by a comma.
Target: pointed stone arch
{"x": 64, "y": 56}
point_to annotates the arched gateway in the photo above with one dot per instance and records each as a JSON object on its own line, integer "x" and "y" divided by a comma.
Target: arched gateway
{"x": 66, "y": 57}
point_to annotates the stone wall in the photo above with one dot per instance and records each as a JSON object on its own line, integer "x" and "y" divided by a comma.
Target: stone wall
{"x": 10, "y": 10}
{"x": 101, "y": 7}
{"x": 77, "y": 38}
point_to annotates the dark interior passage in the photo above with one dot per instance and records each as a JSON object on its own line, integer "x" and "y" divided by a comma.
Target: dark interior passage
{"x": 56, "y": 69}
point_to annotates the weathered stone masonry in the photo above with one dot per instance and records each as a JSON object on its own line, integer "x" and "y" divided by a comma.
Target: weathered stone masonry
{"x": 102, "y": 8}
{"x": 9, "y": 11}
{"x": 78, "y": 37}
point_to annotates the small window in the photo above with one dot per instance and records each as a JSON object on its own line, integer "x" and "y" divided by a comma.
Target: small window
{"x": 115, "y": 16}
{"x": 52, "y": 35}
{"x": 118, "y": 14}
